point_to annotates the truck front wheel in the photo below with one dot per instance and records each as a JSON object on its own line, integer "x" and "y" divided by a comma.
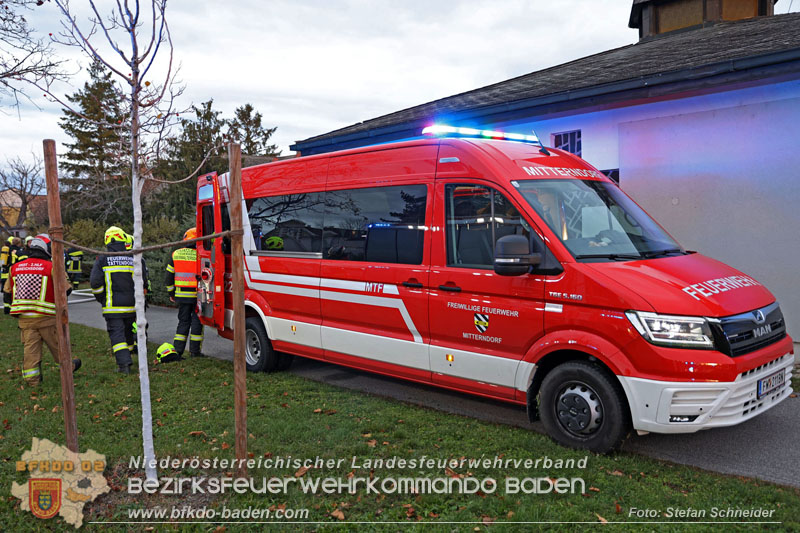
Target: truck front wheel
{"x": 582, "y": 406}
{"x": 258, "y": 350}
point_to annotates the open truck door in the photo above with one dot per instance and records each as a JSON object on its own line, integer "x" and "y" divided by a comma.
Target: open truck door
{"x": 214, "y": 264}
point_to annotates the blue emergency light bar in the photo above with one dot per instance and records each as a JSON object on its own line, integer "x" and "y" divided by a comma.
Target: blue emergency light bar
{"x": 441, "y": 129}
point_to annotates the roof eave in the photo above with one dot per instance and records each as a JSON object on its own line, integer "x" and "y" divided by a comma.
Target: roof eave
{"x": 691, "y": 74}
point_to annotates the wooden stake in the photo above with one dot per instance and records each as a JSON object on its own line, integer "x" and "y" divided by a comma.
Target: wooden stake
{"x": 60, "y": 290}
{"x": 237, "y": 265}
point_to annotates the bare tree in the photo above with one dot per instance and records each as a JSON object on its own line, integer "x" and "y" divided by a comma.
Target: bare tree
{"x": 147, "y": 53}
{"x": 20, "y": 183}
{"x": 24, "y": 57}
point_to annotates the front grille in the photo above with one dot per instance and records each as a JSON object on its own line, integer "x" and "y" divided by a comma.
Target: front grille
{"x": 742, "y": 334}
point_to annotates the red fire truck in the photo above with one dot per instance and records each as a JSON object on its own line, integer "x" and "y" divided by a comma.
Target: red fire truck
{"x": 484, "y": 263}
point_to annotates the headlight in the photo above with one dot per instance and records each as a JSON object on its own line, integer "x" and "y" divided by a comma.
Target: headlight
{"x": 670, "y": 330}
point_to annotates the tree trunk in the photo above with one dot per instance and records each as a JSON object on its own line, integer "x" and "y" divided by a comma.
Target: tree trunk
{"x": 138, "y": 284}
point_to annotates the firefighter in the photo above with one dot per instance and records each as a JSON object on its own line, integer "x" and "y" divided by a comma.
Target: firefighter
{"x": 112, "y": 285}
{"x": 24, "y": 251}
{"x": 5, "y": 266}
{"x": 75, "y": 266}
{"x": 29, "y": 290}
{"x": 181, "y": 281}
{"x": 9, "y": 257}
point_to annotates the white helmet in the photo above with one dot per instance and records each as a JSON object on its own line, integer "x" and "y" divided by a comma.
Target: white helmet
{"x": 41, "y": 242}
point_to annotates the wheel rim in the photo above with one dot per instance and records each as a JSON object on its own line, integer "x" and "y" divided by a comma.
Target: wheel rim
{"x": 579, "y": 409}
{"x": 252, "y": 347}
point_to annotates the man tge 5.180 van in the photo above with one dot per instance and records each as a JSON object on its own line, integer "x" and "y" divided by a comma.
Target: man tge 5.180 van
{"x": 499, "y": 268}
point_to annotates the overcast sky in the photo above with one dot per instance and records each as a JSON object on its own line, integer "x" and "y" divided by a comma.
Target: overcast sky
{"x": 314, "y": 66}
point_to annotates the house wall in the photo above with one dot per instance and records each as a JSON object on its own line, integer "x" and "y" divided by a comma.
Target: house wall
{"x": 720, "y": 172}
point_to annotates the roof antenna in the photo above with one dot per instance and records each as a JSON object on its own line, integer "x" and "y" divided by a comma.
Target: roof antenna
{"x": 542, "y": 149}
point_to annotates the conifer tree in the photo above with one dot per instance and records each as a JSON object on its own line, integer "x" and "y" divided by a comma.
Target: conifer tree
{"x": 96, "y": 164}
{"x": 247, "y": 130}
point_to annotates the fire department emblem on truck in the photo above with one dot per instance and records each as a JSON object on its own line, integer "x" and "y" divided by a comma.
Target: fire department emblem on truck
{"x": 44, "y": 497}
{"x": 481, "y": 322}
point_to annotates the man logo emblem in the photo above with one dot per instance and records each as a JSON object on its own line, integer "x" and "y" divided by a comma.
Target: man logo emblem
{"x": 44, "y": 497}
{"x": 481, "y": 322}
{"x": 759, "y": 316}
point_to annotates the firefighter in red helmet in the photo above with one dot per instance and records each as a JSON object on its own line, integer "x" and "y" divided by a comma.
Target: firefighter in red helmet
{"x": 29, "y": 292}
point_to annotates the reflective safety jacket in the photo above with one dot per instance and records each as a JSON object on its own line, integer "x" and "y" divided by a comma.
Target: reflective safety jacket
{"x": 21, "y": 254}
{"x": 30, "y": 287}
{"x": 111, "y": 281}
{"x": 181, "y": 278}
{"x": 8, "y": 254}
{"x": 74, "y": 261}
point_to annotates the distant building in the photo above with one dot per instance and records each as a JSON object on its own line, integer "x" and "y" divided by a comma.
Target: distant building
{"x": 10, "y": 211}
{"x": 699, "y": 122}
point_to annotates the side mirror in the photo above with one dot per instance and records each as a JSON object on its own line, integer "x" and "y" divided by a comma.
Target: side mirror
{"x": 513, "y": 257}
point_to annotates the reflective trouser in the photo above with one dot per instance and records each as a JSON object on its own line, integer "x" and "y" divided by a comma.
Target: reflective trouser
{"x": 188, "y": 324}
{"x": 120, "y": 331}
{"x": 34, "y": 330}
{"x": 75, "y": 278}
{"x": 6, "y": 306}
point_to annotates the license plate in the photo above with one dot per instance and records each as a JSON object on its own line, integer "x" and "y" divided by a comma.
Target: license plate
{"x": 770, "y": 383}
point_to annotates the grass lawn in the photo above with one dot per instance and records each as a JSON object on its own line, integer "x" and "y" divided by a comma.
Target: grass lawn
{"x": 289, "y": 415}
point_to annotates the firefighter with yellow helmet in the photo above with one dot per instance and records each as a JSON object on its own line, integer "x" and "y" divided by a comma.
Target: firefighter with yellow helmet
{"x": 111, "y": 281}
{"x": 181, "y": 281}
{"x": 8, "y": 255}
{"x": 74, "y": 263}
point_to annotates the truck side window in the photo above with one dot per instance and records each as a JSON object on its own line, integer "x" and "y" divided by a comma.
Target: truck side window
{"x": 288, "y": 223}
{"x": 476, "y": 216}
{"x": 377, "y": 224}
{"x": 208, "y": 223}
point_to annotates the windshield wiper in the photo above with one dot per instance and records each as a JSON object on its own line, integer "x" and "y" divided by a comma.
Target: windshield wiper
{"x": 663, "y": 252}
{"x": 614, "y": 257}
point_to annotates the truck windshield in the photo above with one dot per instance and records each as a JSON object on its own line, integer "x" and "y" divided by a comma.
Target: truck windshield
{"x": 596, "y": 221}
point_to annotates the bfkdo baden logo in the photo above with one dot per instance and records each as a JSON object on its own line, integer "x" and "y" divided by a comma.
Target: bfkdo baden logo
{"x": 61, "y": 481}
{"x": 44, "y": 497}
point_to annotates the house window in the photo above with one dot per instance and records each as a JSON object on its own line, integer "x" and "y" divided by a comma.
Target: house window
{"x": 612, "y": 173}
{"x": 569, "y": 141}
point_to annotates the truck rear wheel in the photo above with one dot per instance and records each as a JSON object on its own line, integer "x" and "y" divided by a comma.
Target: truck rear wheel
{"x": 258, "y": 350}
{"x": 581, "y": 406}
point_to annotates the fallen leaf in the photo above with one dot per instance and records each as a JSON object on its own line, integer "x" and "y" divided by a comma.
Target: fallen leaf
{"x": 617, "y": 507}
{"x": 366, "y": 435}
{"x": 595, "y": 489}
{"x": 487, "y": 519}
{"x": 602, "y": 520}
{"x": 302, "y": 471}
{"x": 197, "y": 434}
{"x": 371, "y": 443}
{"x": 617, "y": 473}
{"x": 336, "y": 513}
{"x": 225, "y": 445}
{"x": 317, "y": 410}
